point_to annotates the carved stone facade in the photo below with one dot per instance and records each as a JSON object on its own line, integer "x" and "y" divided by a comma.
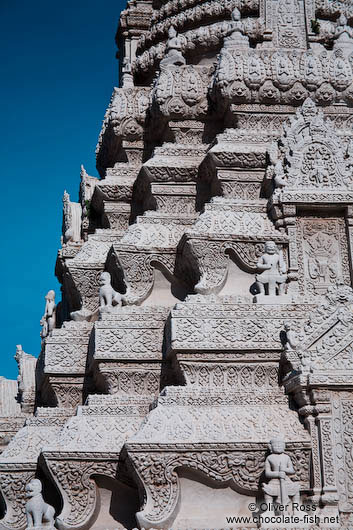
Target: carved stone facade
{"x": 199, "y": 366}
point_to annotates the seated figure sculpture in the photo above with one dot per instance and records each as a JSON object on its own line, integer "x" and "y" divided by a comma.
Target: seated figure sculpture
{"x": 278, "y": 465}
{"x": 39, "y": 514}
{"x": 272, "y": 276}
{"x": 174, "y": 55}
{"x": 108, "y": 297}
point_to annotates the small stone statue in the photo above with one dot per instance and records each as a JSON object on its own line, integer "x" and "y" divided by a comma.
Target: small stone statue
{"x": 278, "y": 466}
{"x": 236, "y": 31}
{"x": 174, "y": 55}
{"x": 273, "y": 271}
{"x": 48, "y": 320}
{"x": 108, "y": 297}
{"x": 39, "y": 514}
{"x": 291, "y": 341}
{"x": 343, "y": 33}
{"x": 279, "y": 175}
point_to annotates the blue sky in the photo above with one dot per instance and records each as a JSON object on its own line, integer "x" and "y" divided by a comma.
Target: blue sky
{"x": 58, "y": 69}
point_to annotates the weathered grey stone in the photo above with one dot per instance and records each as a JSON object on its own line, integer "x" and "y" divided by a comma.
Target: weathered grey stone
{"x": 206, "y": 283}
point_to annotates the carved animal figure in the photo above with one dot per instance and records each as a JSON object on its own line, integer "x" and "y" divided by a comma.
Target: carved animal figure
{"x": 108, "y": 297}
{"x": 38, "y": 512}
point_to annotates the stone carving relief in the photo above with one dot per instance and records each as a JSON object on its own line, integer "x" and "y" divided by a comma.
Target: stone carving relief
{"x": 13, "y": 488}
{"x": 151, "y": 234}
{"x": 138, "y": 270}
{"x": 75, "y": 482}
{"x": 157, "y": 473}
{"x": 124, "y": 119}
{"x": 323, "y": 342}
{"x": 281, "y": 76}
{"x": 323, "y": 253}
{"x": 212, "y": 425}
{"x": 278, "y": 466}
{"x": 313, "y": 153}
{"x": 289, "y": 24}
{"x": 342, "y": 411}
{"x": 182, "y": 91}
{"x": 227, "y": 378}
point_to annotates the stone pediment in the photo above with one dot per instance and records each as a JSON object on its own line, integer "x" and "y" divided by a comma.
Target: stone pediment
{"x": 314, "y": 163}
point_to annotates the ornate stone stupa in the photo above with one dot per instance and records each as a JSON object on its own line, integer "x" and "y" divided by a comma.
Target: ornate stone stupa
{"x": 199, "y": 366}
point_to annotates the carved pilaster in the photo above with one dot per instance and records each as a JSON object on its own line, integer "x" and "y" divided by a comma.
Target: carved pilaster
{"x": 349, "y": 226}
{"x": 327, "y": 461}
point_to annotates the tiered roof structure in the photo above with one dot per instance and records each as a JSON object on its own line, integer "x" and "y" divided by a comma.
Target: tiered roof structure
{"x": 206, "y": 283}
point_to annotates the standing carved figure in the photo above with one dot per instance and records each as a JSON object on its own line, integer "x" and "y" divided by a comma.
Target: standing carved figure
{"x": 273, "y": 270}
{"x": 108, "y": 297}
{"x": 278, "y": 465}
{"x": 291, "y": 341}
{"x": 39, "y": 514}
{"x": 48, "y": 320}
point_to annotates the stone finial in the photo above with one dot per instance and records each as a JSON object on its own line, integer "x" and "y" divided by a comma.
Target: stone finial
{"x": 174, "y": 54}
{"x": 278, "y": 465}
{"x": 108, "y": 297}
{"x": 272, "y": 274}
{"x": 83, "y": 172}
{"x": 48, "y": 320}
{"x": 39, "y": 514}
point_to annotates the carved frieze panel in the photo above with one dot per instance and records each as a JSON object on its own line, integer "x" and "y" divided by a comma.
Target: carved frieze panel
{"x": 68, "y": 391}
{"x": 234, "y": 328}
{"x": 287, "y": 76}
{"x": 230, "y": 376}
{"x": 323, "y": 253}
{"x": 123, "y": 379}
{"x": 182, "y": 91}
{"x": 135, "y": 337}
{"x": 157, "y": 472}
